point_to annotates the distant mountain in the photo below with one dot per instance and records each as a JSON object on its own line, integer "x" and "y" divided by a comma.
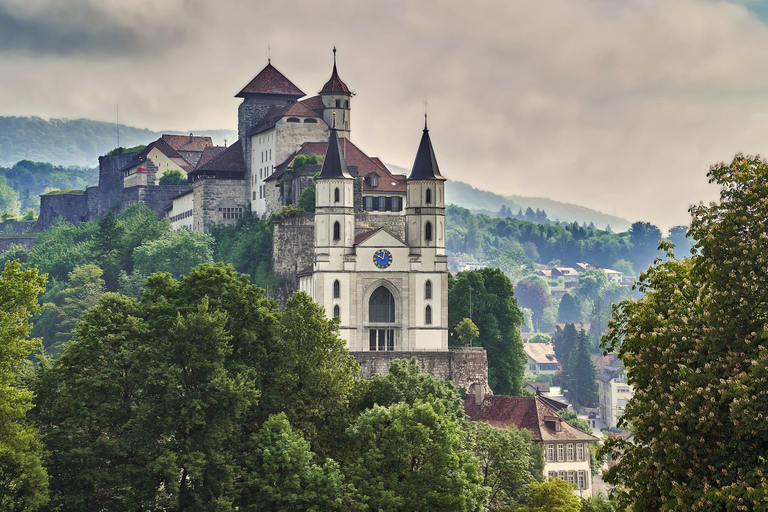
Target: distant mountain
{"x": 482, "y": 201}
{"x": 75, "y": 141}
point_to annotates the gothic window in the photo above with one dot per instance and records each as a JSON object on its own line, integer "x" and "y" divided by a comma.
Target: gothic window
{"x": 336, "y": 310}
{"x": 428, "y": 289}
{"x": 428, "y": 231}
{"x": 336, "y": 195}
{"x": 336, "y": 289}
{"x": 428, "y": 315}
{"x": 293, "y": 120}
{"x": 336, "y": 231}
{"x": 381, "y": 306}
{"x": 428, "y": 199}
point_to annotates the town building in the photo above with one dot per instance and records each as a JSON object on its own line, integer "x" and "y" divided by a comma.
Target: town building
{"x": 613, "y": 391}
{"x": 566, "y": 448}
{"x": 541, "y": 359}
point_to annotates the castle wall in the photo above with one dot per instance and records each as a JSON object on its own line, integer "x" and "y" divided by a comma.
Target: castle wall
{"x": 290, "y": 136}
{"x": 462, "y": 367}
{"x": 110, "y": 182}
{"x": 71, "y": 206}
{"x": 157, "y": 198}
{"x": 218, "y": 202}
{"x": 7, "y": 240}
{"x": 17, "y": 226}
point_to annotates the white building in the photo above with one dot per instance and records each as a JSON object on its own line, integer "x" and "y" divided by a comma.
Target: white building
{"x": 389, "y": 294}
{"x": 541, "y": 358}
{"x": 613, "y": 394}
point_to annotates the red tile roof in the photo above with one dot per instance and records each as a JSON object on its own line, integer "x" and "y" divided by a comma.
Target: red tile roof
{"x": 362, "y": 237}
{"x": 209, "y": 154}
{"x": 187, "y": 142}
{"x": 165, "y": 148}
{"x": 306, "y": 271}
{"x": 230, "y": 161}
{"x": 528, "y": 412}
{"x": 334, "y": 84}
{"x": 270, "y": 81}
{"x": 315, "y": 103}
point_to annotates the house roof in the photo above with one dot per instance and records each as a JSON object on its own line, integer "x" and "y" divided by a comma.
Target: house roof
{"x": 540, "y": 352}
{"x": 270, "y": 81}
{"x": 529, "y": 412}
{"x": 425, "y": 166}
{"x": 542, "y": 387}
{"x": 187, "y": 142}
{"x": 567, "y": 271}
{"x": 229, "y": 161}
{"x": 334, "y": 84}
{"x": 277, "y": 112}
{"x": 315, "y": 103}
{"x": 362, "y": 237}
{"x": 334, "y": 164}
{"x": 164, "y": 147}
{"x": 306, "y": 271}
{"x": 209, "y": 153}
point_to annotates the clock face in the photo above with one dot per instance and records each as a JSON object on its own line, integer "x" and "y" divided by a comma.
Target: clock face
{"x": 382, "y": 258}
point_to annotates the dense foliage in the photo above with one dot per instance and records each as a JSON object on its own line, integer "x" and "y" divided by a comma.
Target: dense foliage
{"x": 30, "y": 179}
{"x": 694, "y": 349}
{"x": 578, "y": 374}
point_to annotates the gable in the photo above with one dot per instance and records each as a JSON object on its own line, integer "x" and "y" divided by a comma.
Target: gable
{"x": 381, "y": 238}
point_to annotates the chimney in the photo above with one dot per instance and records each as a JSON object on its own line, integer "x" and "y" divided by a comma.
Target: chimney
{"x": 190, "y": 137}
{"x": 479, "y": 393}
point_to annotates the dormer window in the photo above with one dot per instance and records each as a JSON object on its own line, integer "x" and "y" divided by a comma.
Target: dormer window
{"x": 374, "y": 180}
{"x": 293, "y": 120}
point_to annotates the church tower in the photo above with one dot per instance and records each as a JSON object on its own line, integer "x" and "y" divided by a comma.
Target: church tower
{"x": 336, "y": 97}
{"x": 425, "y": 209}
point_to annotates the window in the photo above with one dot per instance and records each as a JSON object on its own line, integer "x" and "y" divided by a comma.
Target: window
{"x": 550, "y": 453}
{"x": 382, "y": 204}
{"x": 336, "y": 311}
{"x": 553, "y": 474}
{"x": 336, "y": 195}
{"x": 428, "y": 315}
{"x": 580, "y": 452}
{"x": 346, "y": 104}
{"x": 582, "y": 480}
{"x": 428, "y": 199}
{"x": 293, "y": 120}
{"x": 559, "y": 452}
{"x": 310, "y": 120}
{"x": 428, "y": 289}
{"x": 381, "y": 306}
{"x": 561, "y": 475}
{"x": 336, "y": 289}
{"x": 428, "y": 231}
{"x": 571, "y": 477}
{"x": 374, "y": 180}
{"x": 336, "y": 231}
{"x": 397, "y": 204}
{"x": 569, "y": 451}
{"x": 368, "y": 203}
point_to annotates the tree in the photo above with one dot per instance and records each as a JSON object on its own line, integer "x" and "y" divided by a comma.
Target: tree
{"x": 176, "y": 253}
{"x": 23, "y": 479}
{"x": 494, "y": 311}
{"x": 624, "y": 266}
{"x": 678, "y": 235}
{"x": 694, "y": 348}
{"x": 548, "y": 321}
{"x": 644, "y": 237}
{"x": 173, "y": 177}
{"x": 467, "y": 332}
{"x": 9, "y": 198}
{"x": 582, "y": 377}
{"x": 540, "y": 338}
{"x": 553, "y": 495}
{"x": 107, "y": 249}
{"x": 564, "y": 341}
{"x": 534, "y": 295}
{"x": 307, "y": 199}
{"x": 569, "y": 309}
{"x": 597, "y": 504}
{"x": 280, "y": 473}
{"x": 411, "y": 457}
{"x": 507, "y": 462}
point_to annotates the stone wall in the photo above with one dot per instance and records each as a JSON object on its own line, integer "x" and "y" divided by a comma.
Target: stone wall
{"x": 460, "y": 366}
{"x": 392, "y": 222}
{"x": 71, "y": 206}
{"x": 7, "y": 240}
{"x": 17, "y": 226}
{"x": 157, "y": 198}
{"x": 110, "y": 189}
{"x": 210, "y": 195}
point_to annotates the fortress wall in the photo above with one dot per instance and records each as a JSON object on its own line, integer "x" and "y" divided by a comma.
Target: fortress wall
{"x": 6, "y": 241}
{"x": 393, "y": 223}
{"x": 293, "y": 245}
{"x": 462, "y": 367}
{"x": 71, "y": 206}
{"x": 210, "y": 195}
{"x": 111, "y": 182}
{"x": 157, "y": 198}
{"x": 17, "y": 226}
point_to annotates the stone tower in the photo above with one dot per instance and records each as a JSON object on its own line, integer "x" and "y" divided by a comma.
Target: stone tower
{"x": 336, "y": 98}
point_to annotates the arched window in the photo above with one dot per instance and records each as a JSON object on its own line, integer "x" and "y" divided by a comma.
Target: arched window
{"x": 428, "y": 199}
{"x": 293, "y": 120}
{"x": 428, "y": 289}
{"x": 336, "y": 289}
{"x": 428, "y": 231}
{"x": 336, "y": 231}
{"x": 310, "y": 120}
{"x": 428, "y": 315}
{"x": 336, "y": 195}
{"x": 336, "y": 310}
{"x": 381, "y": 306}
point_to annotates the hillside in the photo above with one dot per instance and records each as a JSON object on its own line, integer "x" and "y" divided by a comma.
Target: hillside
{"x": 74, "y": 141}
{"x": 482, "y": 201}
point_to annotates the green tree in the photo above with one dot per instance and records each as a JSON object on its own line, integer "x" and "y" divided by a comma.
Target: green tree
{"x": 597, "y": 504}
{"x": 306, "y": 201}
{"x": 176, "y": 253}
{"x": 410, "y": 457}
{"x": 582, "y": 377}
{"x": 9, "y": 198}
{"x": 107, "y": 249}
{"x": 467, "y": 332}
{"x": 644, "y": 237}
{"x": 624, "y": 266}
{"x": 534, "y": 295}
{"x": 172, "y": 177}
{"x": 569, "y": 310}
{"x": 548, "y": 321}
{"x": 493, "y": 308}
{"x": 564, "y": 341}
{"x": 247, "y": 245}
{"x": 694, "y": 348}
{"x": 23, "y": 479}
{"x": 554, "y": 495}
{"x": 540, "y": 338}
{"x": 678, "y": 235}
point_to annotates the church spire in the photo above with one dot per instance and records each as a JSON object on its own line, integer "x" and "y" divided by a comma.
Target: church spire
{"x": 334, "y": 165}
{"x": 425, "y": 166}
{"x": 335, "y": 84}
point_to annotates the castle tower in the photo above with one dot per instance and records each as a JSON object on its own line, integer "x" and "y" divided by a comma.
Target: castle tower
{"x": 336, "y": 98}
{"x": 425, "y": 208}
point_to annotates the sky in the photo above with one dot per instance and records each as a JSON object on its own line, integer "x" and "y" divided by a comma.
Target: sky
{"x": 618, "y": 105}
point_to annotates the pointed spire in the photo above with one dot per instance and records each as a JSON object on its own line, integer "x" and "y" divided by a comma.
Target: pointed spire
{"x": 425, "y": 166}
{"x": 335, "y": 84}
{"x": 334, "y": 165}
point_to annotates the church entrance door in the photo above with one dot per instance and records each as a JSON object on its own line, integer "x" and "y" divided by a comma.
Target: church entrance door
{"x": 381, "y": 310}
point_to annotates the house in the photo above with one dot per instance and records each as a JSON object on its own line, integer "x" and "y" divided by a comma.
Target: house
{"x": 536, "y": 388}
{"x": 569, "y": 274}
{"x": 613, "y": 394}
{"x": 541, "y": 358}
{"x": 566, "y": 448}
{"x": 614, "y": 276}
{"x": 581, "y": 267}
{"x": 147, "y": 166}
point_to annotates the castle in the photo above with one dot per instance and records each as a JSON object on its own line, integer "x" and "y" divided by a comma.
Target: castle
{"x": 372, "y": 254}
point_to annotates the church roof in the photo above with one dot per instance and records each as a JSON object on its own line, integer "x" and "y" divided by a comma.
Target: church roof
{"x": 270, "y": 81}
{"x": 229, "y": 164}
{"x": 362, "y": 237}
{"x": 187, "y": 142}
{"x": 335, "y": 84}
{"x": 425, "y": 165}
{"x": 334, "y": 165}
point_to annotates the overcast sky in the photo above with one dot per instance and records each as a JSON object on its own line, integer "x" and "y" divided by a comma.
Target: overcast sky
{"x": 619, "y": 105}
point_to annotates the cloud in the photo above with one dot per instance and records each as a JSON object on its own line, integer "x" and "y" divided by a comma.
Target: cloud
{"x": 79, "y": 28}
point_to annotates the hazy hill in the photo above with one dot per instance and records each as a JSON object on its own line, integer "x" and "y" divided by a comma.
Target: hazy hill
{"x": 482, "y": 201}
{"x": 74, "y": 141}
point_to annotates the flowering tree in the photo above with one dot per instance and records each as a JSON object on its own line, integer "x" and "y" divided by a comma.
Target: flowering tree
{"x": 694, "y": 348}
